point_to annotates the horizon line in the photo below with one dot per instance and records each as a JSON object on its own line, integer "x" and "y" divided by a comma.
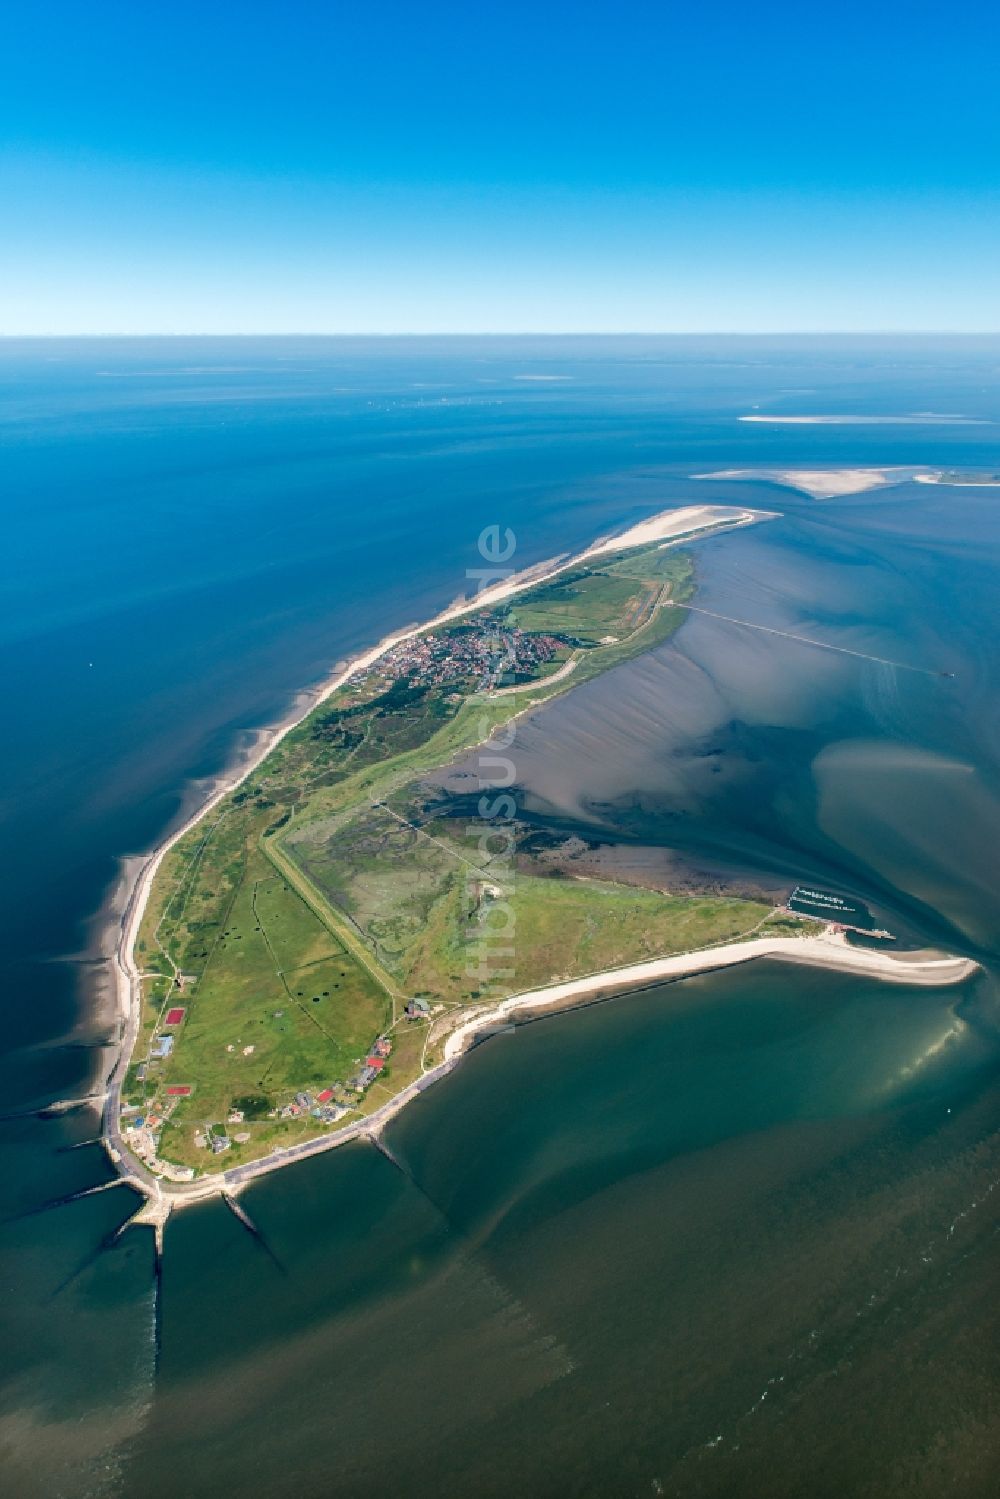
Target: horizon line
{"x": 530, "y": 333}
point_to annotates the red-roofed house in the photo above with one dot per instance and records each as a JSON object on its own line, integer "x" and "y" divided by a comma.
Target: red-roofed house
{"x": 178, "y": 1090}
{"x": 325, "y": 1096}
{"x": 377, "y": 1063}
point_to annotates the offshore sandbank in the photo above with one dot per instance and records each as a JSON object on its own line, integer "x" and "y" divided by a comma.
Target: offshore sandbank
{"x": 829, "y": 483}
{"x": 848, "y": 419}
{"x": 825, "y": 483}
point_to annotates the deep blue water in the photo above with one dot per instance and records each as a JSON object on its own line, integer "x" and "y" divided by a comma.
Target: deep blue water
{"x": 565, "y": 1295}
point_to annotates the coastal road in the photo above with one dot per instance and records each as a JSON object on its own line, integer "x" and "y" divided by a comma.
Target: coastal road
{"x": 827, "y": 951}
{"x": 557, "y": 676}
{"x": 666, "y": 525}
{"x": 129, "y": 984}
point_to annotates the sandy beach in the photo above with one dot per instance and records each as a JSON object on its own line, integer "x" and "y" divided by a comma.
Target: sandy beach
{"x": 670, "y": 524}
{"x": 829, "y": 950}
{"x": 127, "y": 978}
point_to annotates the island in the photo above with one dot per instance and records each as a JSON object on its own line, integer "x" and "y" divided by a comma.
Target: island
{"x": 956, "y": 478}
{"x": 334, "y": 928}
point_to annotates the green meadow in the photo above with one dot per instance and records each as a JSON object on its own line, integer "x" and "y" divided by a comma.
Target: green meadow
{"x": 296, "y": 919}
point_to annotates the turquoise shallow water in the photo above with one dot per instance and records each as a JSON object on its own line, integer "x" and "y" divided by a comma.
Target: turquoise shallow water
{"x": 730, "y": 1237}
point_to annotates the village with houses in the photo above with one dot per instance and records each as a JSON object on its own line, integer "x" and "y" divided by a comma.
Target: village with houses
{"x": 142, "y": 1123}
{"x": 489, "y": 651}
{"x": 251, "y": 906}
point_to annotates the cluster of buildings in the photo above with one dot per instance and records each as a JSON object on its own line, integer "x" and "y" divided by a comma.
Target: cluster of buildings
{"x": 141, "y": 1127}
{"x": 324, "y": 1105}
{"x": 489, "y": 653}
{"x": 214, "y": 1138}
{"x": 162, "y": 1043}
{"x": 143, "y": 1122}
{"x": 373, "y": 1065}
{"x": 319, "y": 1106}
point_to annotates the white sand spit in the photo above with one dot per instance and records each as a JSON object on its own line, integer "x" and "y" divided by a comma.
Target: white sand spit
{"x": 830, "y": 950}
{"x": 669, "y": 524}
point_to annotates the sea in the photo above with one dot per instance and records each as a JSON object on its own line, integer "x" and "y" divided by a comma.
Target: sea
{"x": 726, "y": 1238}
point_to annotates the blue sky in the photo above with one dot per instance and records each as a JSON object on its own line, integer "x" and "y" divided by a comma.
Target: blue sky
{"x": 380, "y": 166}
